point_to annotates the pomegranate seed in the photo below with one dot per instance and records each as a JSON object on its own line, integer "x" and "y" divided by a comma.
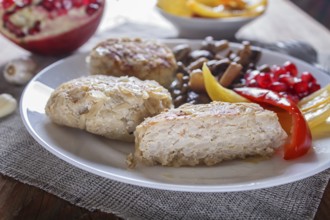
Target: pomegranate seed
{"x": 278, "y": 87}
{"x": 264, "y": 80}
{"x": 49, "y": 5}
{"x": 6, "y": 4}
{"x": 13, "y": 29}
{"x": 251, "y": 75}
{"x": 92, "y": 8}
{"x": 6, "y": 17}
{"x": 77, "y": 3}
{"x": 303, "y": 95}
{"x": 307, "y": 77}
{"x": 291, "y": 68}
{"x": 62, "y": 6}
{"x": 300, "y": 87}
{"x": 252, "y": 83}
{"x": 294, "y": 98}
{"x": 278, "y": 71}
{"x": 35, "y": 29}
{"x": 287, "y": 79}
{"x": 313, "y": 87}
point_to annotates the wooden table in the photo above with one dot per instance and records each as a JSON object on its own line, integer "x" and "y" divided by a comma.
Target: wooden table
{"x": 282, "y": 21}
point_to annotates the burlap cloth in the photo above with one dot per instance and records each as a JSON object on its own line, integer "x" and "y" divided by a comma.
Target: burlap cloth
{"x": 22, "y": 158}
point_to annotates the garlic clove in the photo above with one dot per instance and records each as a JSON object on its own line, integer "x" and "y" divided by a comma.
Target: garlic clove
{"x": 20, "y": 71}
{"x": 8, "y": 104}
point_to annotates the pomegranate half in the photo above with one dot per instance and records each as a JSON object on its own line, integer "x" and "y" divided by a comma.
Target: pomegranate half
{"x": 50, "y": 27}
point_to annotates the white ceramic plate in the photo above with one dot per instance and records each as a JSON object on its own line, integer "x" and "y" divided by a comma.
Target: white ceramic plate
{"x": 106, "y": 158}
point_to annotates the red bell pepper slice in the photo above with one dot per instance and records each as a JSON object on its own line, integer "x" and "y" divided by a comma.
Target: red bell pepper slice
{"x": 301, "y": 138}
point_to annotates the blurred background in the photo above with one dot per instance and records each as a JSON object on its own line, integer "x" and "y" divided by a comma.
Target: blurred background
{"x": 318, "y": 9}
{"x": 141, "y": 19}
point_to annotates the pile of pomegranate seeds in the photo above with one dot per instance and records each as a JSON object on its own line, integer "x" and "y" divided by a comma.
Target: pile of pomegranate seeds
{"x": 284, "y": 80}
{"x": 54, "y": 7}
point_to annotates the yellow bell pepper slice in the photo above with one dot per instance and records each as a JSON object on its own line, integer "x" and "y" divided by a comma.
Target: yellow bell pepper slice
{"x": 317, "y": 115}
{"x": 316, "y": 107}
{"x": 315, "y": 99}
{"x": 314, "y": 103}
{"x": 207, "y": 11}
{"x": 237, "y": 4}
{"x": 216, "y": 91}
{"x": 234, "y": 4}
{"x": 175, "y": 7}
{"x": 321, "y": 130}
{"x": 211, "y": 3}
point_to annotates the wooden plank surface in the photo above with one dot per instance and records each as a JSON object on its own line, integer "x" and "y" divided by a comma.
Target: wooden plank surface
{"x": 281, "y": 22}
{"x": 20, "y": 201}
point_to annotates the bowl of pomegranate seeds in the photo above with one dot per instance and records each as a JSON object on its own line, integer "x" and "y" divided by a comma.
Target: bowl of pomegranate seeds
{"x": 50, "y": 27}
